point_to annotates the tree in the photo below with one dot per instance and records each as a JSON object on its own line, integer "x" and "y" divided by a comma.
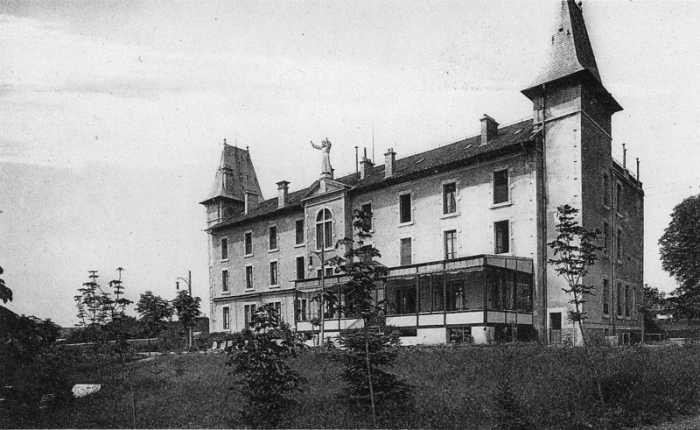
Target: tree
{"x": 680, "y": 254}
{"x": 5, "y": 291}
{"x": 653, "y": 301}
{"x": 370, "y": 350}
{"x": 575, "y": 249}
{"x": 259, "y": 360}
{"x": 187, "y": 308}
{"x": 154, "y": 311}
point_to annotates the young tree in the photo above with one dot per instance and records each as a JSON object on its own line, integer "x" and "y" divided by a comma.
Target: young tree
{"x": 575, "y": 250}
{"x": 259, "y": 360}
{"x": 187, "y": 308}
{"x": 680, "y": 254}
{"x": 370, "y": 350}
{"x": 155, "y": 312}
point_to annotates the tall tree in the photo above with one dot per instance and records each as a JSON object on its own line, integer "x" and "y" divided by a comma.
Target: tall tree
{"x": 187, "y": 308}
{"x": 680, "y": 254}
{"x": 653, "y": 301}
{"x": 575, "y": 251}
{"x": 155, "y": 311}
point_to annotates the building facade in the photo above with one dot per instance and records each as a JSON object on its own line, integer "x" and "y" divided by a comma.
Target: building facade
{"x": 462, "y": 228}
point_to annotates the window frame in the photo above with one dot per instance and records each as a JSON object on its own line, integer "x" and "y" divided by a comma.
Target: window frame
{"x": 620, "y": 302}
{"x": 223, "y": 243}
{"x": 618, "y": 245}
{"x": 225, "y": 281}
{"x": 248, "y": 242}
{"x": 303, "y": 267}
{"x": 402, "y": 196}
{"x": 508, "y": 199}
{"x": 249, "y": 277}
{"x": 297, "y": 232}
{"x": 226, "y": 318}
{"x": 453, "y": 234}
{"x": 248, "y": 313}
{"x": 273, "y": 237}
{"x": 325, "y": 223}
{"x": 371, "y": 218}
{"x": 402, "y": 241}
{"x": 606, "y": 239}
{"x": 445, "y": 206}
{"x": 275, "y": 274}
{"x": 507, "y": 243}
{"x": 606, "y": 190}
{"x": 606, "y": 297}
{"x": 301, "y": 309}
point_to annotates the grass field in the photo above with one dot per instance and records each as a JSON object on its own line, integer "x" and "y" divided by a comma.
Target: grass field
{"x": 469, "y": 387}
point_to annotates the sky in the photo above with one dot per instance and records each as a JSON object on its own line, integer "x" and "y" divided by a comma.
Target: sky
{"x": 113, "y": 114}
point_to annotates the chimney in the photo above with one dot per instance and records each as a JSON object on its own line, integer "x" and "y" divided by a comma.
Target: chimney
{"x": 366, "y": 168}
{"x": 251, "y": 202}
{"x": 389, "y": 163}
{"x": 282, "y": 190}
{"x": 489, "y": 129}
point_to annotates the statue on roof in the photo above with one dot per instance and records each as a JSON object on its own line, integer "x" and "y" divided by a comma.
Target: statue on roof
{"x": 325, "y": 147}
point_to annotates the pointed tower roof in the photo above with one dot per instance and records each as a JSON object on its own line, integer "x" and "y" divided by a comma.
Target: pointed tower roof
{"x": 570, "y": 53}
{"x": 235, "y": 176}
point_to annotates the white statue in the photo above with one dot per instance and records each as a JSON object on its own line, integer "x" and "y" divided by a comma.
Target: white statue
{"x": 326, "y": 168}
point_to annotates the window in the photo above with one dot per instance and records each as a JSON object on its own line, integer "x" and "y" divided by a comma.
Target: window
{"x": 619, "y": 197}
{"x": 248, "y": 277}
{"x": 224, "y": 249}
{"x": 224, "y": 281}
{"x": 449, "y": 198}
{"x": 405, "y": 251}
{"x": 619, "y": 245}
{"x": 249, "y": 311}
{"x": 299, "y": 227}
{"x": 329, "y": 272}
{"x": 628, "y": 300}
{"x": 502, "y": 237}
{"x": 277, "y": 306}
{"x": 500, "y": 187}
{"x": 606, "y": 190}
{"x": 404, "y": 208}
{"x": 324, "y": 229}
{"x": 450, "y": 239}
{"x": 301, "y": 309}
{"x": 301, "y": 268}
{"x": 226, "y": 318}
{"x": 272, "y": 237}
{"x": 606, "y": 238}
{"x": 273, "y": 273}
{"x": 620, "y": 299}
{"x": 606, "y": 297}
{"x": 248, "y": 239}
{"x": 367, "y": 213}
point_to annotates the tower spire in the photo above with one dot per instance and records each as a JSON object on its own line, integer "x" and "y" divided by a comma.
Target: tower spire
{"x": 570, "y": 55}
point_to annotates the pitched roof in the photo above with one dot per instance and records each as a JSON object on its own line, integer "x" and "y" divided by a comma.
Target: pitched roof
{"x": 424, "y": 163}
{"x": 237, "y": 161}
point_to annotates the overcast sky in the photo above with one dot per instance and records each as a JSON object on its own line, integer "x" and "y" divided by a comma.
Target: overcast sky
{"x": 113, "y": 114}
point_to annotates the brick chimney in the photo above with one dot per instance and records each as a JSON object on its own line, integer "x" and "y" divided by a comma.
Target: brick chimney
{"x": 489, "y": 129}
{"x": 389, "y": 162}
{"x": 251, "y": 202}
{"x": 366, "y": 168}
{"x": 282, "y": 190}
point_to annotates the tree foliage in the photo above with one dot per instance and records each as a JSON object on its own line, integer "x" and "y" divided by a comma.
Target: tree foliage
{"x": 5, "y": 291}
{"x": 155, "y": 311}
{"x": 259, "y": 360}
{"x": 680, "y": 255}
{"x": 187, "y": 308}
{"x": 575, "y": 250}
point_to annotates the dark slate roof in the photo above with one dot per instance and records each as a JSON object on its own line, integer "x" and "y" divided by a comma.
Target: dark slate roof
{"x": 424, "y": 163}
{"x": 238, "y": 160}
{"x": 571, "y": 50}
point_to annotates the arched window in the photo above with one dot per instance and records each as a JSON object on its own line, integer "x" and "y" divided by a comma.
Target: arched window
{"x": 324, "y": 229}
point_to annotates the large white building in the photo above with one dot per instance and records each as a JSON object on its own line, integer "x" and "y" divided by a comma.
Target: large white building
{"x": 463, "y": 228}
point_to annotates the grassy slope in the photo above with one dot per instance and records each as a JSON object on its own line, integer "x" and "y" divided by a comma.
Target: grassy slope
{"x": 454, "y": 388}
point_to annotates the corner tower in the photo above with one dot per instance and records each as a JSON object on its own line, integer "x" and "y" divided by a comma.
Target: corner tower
{"x": 235, "y": 181}
{"x": 572, "y": 113}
